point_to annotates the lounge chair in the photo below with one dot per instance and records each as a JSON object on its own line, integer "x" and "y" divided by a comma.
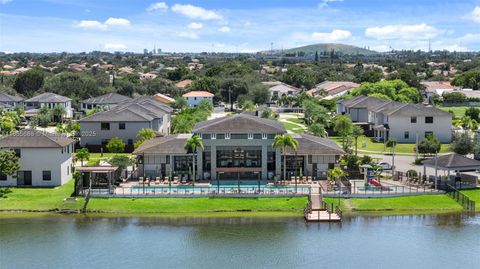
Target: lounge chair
{"x": 157, "y": 181}
{"x": 140, "y": 180}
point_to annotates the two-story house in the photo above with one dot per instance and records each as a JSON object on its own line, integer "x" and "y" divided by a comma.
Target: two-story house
{"x": 124, "y": 121}
{"x": 278, "y": 89}
{"x": 403, "y": 121}
{"x": 10, "y": 101}
{"x": 195, "y": 97}
{"x": 49, "y": 100}
{"x": 45, "y": 159}
{"x": 105, "y": 102}
{"x": 238, "y": 146}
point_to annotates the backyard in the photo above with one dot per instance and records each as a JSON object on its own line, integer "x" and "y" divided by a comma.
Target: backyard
{"x": 458, "y": 111}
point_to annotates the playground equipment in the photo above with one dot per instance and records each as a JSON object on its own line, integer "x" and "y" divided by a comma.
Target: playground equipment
{"x": 369, "y": 176}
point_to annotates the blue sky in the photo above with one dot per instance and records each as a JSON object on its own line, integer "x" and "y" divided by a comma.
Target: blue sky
{"x": 245, "y": 26}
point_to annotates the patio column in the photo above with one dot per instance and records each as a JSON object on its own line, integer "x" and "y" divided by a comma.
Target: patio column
{"x": 264, "y": 162}
{"x": 213, "y": 160}
{"x": 278, "y": 163}
{"x": 199, "y": 163}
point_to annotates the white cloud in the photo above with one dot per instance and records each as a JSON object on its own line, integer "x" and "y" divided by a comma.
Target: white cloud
{"x": 470, "y": 38}
{"x": 195, "y": 26}
{"x": 158, "y": 6}
{"x": 325, "y": 3}
{"x": 474, "y": 15}
{"x": 189, "y": 35}
{"x": 114, "y": 46}
{"x": 403, "y": 31}
{"x": 89, "y": 24}
{"x": 96, "y": 25}
{"x": 117, "y": 22}
{"x": 5, "y": 1}
{"x": 195, "y": 12}
{"x": 224, "y": 29}
{"x": 247, "y": 24}
{"x": 325, "y": 37}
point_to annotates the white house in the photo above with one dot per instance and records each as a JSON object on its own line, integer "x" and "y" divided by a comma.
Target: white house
{"x": 45, "y": 158}
{"x": 405, "y": 122}
{"x": 10, "y": 101}
{"x": 124, "y": 121}
{"x": 49, "y": 100}
{"x": 195, "y": 97}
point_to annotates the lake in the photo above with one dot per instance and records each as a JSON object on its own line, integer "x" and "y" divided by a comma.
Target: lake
{"x": 77, "y": 241}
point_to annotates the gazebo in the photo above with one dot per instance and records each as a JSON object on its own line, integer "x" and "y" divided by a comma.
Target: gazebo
{"x": 457, "y": 163}
{"x": 95, "y": 177}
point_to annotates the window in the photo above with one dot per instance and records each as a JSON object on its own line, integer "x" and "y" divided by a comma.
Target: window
{"x": 257, "y": 136}
{"x": 68, "y": 149}
{"x": 104, "y": 141}
{"x": 427, "y": 134}
{"x": 206, "y": 136}
{"x": 121, "y": 126}
{"x": 105, "y": 126}
{"x": 47, "y": 175}
{"x": 18, "y": 153}
{"x": 239, "y": 136}
{"x": 167, "y": 159}
{"x": 3, "y": 177}
{"x": 220, "y": 136}
{"x": 406, "y": 135}
{"x": 310, "y": 159}
{"x": 413, "y": 119}
{"x": 428, "y": 119}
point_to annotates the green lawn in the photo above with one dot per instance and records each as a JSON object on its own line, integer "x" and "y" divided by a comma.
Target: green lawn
{"x": 38, "y": 198}
{"x": 98, "y": 156}
{"x": 293, "y": 127}
{"x": 475, "y": 196}
{"x": 295, "y": 120}
{"x": 458, "y": 111}
{"x": 423, "y": 203}
{"x": 380, "y": 147}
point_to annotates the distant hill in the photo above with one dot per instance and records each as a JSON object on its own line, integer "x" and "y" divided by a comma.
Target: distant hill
{"x": 340, "y": 48}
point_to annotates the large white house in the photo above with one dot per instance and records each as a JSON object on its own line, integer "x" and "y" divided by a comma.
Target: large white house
{"x": 402, "y": 121}
{"x": 49, "y": 100}
{"x": 45, "y": 158}
{"x": 195, "y": 97}
{"x": 124, "y": 121}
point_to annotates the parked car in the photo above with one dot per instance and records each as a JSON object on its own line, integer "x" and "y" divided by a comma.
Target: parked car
{"x": 385, "y": 166}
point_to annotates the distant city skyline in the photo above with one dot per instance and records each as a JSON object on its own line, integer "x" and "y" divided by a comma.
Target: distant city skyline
{"x": 236, "y": 26}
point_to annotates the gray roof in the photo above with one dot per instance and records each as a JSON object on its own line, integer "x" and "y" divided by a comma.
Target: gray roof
{"x": 240, "y": 123}
{"x": 109, "y": 98}
{"x": 365, "y": 102}
{"x": 454, "y": 161}
{"x": 4, "y": 97}
{"x": 49, "y": 97}
{"x": 138, "y": 109}
{"x": 172, "y": 144}
{"x": 314, "y": 145}
{"x": 30, "y": 138}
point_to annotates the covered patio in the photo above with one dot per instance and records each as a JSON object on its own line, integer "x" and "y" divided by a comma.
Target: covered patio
{"x": 95, "y": 177}
{"x": 455, "y": 163}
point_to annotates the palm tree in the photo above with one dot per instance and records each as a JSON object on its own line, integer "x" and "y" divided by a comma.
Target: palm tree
{"x": 191, "y": 145}
{"x": 334, "y": 174}
{"x": 391, "y": 143}
{"x": 357, "y": 132}
{"x": 344, "y": 127}
{"x": 282, "y": 142}
{"x": 58, "y": 112}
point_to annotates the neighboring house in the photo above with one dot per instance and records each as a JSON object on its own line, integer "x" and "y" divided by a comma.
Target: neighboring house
{"x": 163, "y": 98}
{"x": 49, "y": 100}
{"x": 105, "y": 102}
{"x": 10, "y": 101}
{"x": 124, "y": 121}
{"x": 45, "y": 158}
{"x": 332, "y": 89}
{"x": 195, "y": 97}
{"x": 278, "y": 89}
{"x": 183, "y": 84}
{"x": 402, "y": 121}
{"x": 436, "y": 88}
{"x": 238, "y": 146}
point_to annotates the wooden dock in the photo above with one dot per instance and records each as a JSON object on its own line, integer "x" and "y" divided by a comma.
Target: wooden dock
{"x": 318, "y": 211}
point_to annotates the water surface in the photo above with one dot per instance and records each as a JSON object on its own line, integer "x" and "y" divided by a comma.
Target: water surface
{"x": 433, "y": 241}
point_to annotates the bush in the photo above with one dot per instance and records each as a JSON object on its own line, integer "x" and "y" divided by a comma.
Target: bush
{"x": 412, "y": 174}
{"x": 419, "y": 161}
{"x": 116, "y": 145}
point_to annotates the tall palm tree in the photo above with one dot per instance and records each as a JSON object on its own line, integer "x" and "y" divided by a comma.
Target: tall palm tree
{"x": 191, "y": 145}
{"x": 282, "y": 142}
{"x": 59, "y": 112}
{"x": 357, "y": 132}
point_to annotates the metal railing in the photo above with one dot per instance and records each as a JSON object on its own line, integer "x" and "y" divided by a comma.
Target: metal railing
{"x": 359, "y": 188}
{"x": 140, "y": 191}
{"x": 460, "y": 198}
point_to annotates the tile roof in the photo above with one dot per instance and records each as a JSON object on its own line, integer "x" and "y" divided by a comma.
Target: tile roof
{"x": 48, "y": 97}
{"x": 138, "y": 109}
{"x": 314, "y": 145}
{"x": 4, "y": 97}
{"x": 172, "y": 144}
{"x": 453, "y": 160}
{"x": 240, "y": 123}
{"x": 109, "y": 98}
{"x": 183, "y": 84}
{"x": 198, "y": 94}
{"x": 30, "y": 138}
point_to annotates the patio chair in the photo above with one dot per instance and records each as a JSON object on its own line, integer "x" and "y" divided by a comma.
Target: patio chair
{"x": 157, "y": 180}
{"x": 140, "y": 180}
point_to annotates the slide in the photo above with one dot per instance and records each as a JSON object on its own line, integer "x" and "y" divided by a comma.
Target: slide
{"x": 375, "y": 183}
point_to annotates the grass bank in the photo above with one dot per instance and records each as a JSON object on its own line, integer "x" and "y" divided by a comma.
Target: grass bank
{"x": 421, "y": 204}
{"x": 458, "y": 111}
{"x": 475, "y": 196}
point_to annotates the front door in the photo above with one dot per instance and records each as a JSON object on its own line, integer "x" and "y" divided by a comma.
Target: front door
{"x": 24, "y": 178}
